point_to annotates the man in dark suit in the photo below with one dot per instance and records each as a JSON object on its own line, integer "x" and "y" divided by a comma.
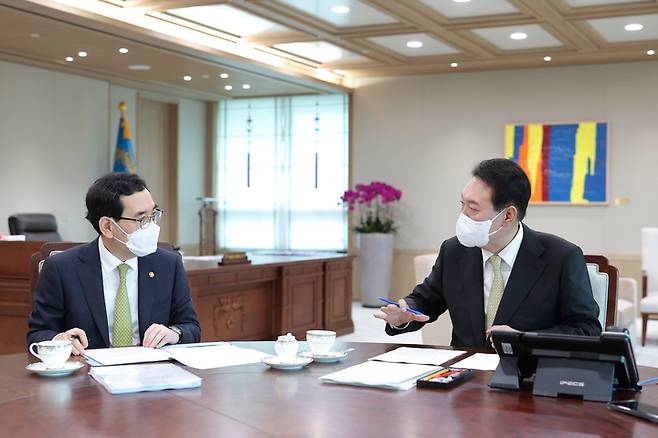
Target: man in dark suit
{"x": 120, "y": 289}
{"x": 499, "y": 274}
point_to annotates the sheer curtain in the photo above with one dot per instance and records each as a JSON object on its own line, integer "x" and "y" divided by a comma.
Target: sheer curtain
{"x": 282, "y": 167}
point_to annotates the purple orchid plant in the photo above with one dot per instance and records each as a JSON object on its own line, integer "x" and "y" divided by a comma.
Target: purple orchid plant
{"x": 374, "y": 205}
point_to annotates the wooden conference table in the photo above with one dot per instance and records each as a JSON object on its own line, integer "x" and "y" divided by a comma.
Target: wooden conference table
{"x": 253, "y": 400}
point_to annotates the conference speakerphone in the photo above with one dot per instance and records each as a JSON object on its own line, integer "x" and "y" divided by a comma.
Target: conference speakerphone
{"x": 587, "y": 366}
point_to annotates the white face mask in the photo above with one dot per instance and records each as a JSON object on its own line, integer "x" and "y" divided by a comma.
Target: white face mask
{"x": 143, "y": 241}
{"x": 472, "y": 233}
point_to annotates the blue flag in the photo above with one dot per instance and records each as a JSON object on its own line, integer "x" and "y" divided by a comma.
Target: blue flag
{"x": 124, "y": 157}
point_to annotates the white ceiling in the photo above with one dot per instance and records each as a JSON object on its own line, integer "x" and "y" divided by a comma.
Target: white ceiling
{"x": 473, "y": 8}
{"x": 303, "y": 40}
{"x": 398, "y": 43}
{"x": 500, "y": 37}
{"x": 320, "y": 51}
{"x": 228, "y": 19}
{"x": 582, "y": 3}
{"x": 360, "y": 14}
{"x": 612, "y": 29}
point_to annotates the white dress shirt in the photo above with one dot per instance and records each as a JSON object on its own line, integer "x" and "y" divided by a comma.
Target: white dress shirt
{"x": 109, "y": 263}
{"x": 508, "y": 256}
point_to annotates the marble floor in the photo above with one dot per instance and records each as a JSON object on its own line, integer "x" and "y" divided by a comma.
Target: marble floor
{"x": 367, "y": 328}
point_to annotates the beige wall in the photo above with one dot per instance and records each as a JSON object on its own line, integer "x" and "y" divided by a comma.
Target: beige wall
{"x": 424, "y": 134}
{"x": 53, "y": 144}
{"x": 59, "y": 134}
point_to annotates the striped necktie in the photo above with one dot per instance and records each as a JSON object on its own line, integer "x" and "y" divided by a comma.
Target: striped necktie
{"x": 497, "y": 289}
{"x": 122, "y": 333}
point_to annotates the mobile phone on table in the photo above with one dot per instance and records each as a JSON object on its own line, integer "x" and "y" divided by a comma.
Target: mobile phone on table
{"x": 633, "y": 407}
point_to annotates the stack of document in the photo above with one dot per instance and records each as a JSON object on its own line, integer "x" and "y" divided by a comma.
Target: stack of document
{"x": 381, "y": 375}
{"x": 421, "y": 356}
{"x": 124, "y": 355}
{"x": 479, "y": 361}
{"x": 214, "y": 356}
{"x": 202, "y": 356}
{"x": 122, "y": 379}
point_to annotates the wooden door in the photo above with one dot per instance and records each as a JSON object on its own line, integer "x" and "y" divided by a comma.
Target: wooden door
{"x": 157, "y": 159}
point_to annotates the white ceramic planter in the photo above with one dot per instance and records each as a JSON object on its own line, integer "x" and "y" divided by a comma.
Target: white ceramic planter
{"x": 375, "y": 264}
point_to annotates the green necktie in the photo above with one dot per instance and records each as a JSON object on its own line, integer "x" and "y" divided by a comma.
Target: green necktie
{"x": 497, "y": 289}
{"x": 122, "y": 332}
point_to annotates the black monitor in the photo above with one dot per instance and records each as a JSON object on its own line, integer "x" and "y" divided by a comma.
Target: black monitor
{"x": 588, "y": 366}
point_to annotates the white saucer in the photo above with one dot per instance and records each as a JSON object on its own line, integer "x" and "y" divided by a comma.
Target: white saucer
{"x": 330, "y": 357}
{"x": 297, "y": 363}
{"x": 69, "y": 368}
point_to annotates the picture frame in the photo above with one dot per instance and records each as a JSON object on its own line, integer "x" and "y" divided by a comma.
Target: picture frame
{"x": 567, "y": 162}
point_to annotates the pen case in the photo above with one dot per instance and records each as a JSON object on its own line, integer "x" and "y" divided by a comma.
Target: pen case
{"x": 452, "y": 377}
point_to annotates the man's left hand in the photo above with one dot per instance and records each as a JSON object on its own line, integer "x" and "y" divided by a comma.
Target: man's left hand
{"x": 158, "y": 336}
{"x": 498, "y": 328}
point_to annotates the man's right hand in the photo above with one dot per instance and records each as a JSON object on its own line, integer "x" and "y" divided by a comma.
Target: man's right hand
{"x": 397, "y": 316}
{"x": 78, "y": 339}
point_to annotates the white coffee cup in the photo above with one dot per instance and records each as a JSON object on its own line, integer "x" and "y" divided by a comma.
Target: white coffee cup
{"x": 320, "y": 341}
{"x": 52, "y": 353}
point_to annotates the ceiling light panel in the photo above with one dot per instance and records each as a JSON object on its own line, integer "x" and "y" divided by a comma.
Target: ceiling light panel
{"x": 582, "y": 3}
{"x": 398, "y": 43}
{"x": 360, "y": 14}
{"x": 612, "y": 29}
{"x": 228, "y": 19}
{"x": 452, "y": 9}
{"x": 320, "y": 51}
{"x": 500, "y": 37}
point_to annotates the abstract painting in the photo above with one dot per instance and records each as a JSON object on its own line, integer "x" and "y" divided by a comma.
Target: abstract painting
{"x": 565, "y": 162}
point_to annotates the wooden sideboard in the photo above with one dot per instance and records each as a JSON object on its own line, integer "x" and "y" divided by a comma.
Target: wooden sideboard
{"x": 271, "y": 296}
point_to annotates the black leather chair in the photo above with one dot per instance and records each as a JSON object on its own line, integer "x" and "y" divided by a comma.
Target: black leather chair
{"x": 35, "y": 226}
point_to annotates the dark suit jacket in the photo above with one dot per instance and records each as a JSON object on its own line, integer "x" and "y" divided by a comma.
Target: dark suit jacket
{"x": 548, "y": 290}
{"x": 69, "y": 294}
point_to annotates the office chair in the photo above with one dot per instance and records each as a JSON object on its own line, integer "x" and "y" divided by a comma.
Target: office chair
{"x": 35, "y": 226}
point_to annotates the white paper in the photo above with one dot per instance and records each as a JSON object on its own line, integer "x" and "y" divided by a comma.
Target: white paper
{"x": 124, "y": 379}
{"x": 421, "y": 356}
{"x": 216, "y": 356}
{"x": 381, "y": 375}
{"x": 125, "y": 355}
{"x": 479, "y": 361}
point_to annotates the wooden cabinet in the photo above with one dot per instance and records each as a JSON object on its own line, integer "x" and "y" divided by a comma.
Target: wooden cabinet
{"x": 273, "y": 296}
{"x": 260, "y": 301}
{"x": 15, "y": 295}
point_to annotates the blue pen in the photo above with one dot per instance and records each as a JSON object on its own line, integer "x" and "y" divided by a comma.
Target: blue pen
{"x": 646, "y": 382}
{"x": 410, "y": 310}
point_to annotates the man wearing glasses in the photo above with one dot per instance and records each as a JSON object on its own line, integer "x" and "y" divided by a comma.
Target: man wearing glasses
{"x": 120, "y": 289}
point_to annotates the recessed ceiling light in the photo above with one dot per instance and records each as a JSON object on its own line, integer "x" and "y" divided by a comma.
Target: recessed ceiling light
{"x": 414, "y": 44}
{"x": 651, "y": 52}
{"x": 139, "y": 67}
{"x": 228, "y": 87}
{"x": 35, "y": 35}
{"x": 633, "y": 27}
{"x": 223, "y": 75}
{"x": 82, "y": 54}
{"x": 340, "y": 9}
{"x": 454, "y": 64}
{"x": 187, "y": 78}
{"x": 547, "y": 58}
{"x": 123, "y": 50}
{"x": 461, "y": 1}
{"x": 246, "y": 86}
{"x": 519, "y": 36}
{"x": 69, "y": 59}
